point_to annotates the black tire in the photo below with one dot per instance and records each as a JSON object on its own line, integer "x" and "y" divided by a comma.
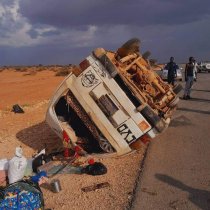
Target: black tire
{"x": 177, "y": 88}
{"x": 130, "y": 47}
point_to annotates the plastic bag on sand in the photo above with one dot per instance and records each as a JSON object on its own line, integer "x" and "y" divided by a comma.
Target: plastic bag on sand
{"x": 28, "y": 169}
{"x": 4, "y": 164}
{"x": 17, "y": 166}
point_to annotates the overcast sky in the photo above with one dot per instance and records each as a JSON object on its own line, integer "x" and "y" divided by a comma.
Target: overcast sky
{"x": 65, "y": 31}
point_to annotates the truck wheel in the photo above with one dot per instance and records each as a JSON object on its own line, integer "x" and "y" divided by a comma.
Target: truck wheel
{"x": 106, "y": 146}
{"x": 177, "y": 88}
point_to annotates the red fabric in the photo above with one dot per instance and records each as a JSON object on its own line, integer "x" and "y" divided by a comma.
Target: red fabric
{"x": 66, "y": 152}
{"x": 91, "y": 161}
{"x": 65, "y": 137}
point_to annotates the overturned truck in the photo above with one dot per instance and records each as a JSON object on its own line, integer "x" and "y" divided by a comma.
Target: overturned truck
{"x": 111, "y": 102}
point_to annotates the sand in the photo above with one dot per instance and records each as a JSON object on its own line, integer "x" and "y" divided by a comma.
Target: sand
{"x": 32, "y": 89}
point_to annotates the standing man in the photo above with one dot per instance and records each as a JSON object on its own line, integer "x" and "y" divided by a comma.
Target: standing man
{"x": 172, "y": 71}
{"x": 189, "y": 77}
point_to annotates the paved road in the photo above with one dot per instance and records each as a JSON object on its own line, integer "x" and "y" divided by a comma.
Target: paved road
{"x": 176, "y": 172}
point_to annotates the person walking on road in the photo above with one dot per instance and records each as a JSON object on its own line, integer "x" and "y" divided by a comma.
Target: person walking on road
{"x": 172, "y": 71}
{"x": 189, "y": 77}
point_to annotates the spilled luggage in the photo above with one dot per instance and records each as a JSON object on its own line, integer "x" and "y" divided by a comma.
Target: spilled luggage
{"x": 21, "y": 195}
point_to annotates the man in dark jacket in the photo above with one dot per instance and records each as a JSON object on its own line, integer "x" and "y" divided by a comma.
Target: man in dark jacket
{"x": 172, "y": 71}
{"x": 189, "y": 77}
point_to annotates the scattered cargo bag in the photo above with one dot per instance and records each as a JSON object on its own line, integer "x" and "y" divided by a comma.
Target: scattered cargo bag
{"x": 95, "y": 169}
{"x": 17, "y": 109}
{"x": 4, "y": 163}
{"x": 17, "y": 166}
{"x": 22, "y": 195}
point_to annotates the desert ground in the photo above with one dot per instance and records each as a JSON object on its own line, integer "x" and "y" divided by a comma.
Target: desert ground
{"x": 31, "y": 88}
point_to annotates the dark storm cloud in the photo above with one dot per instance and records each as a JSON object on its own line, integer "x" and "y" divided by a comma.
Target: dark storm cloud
{"x": 66, "y": 31}
{"x": 67, "y": 13}
{"x": 43, "y": 54}
{"x": 33, "y": 33}
{"x": 181, "y": 41}
{"x": 7, "y": 2}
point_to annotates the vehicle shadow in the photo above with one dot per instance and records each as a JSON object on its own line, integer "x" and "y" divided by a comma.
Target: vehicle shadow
{"x": 201, "y": 90}
{"x": 193, "y": 110}
{"x": 39, "y": 136}
{"x": 180, "y": 121}
{"x": 200, "y": 100}
{"x": 200, "y": 198}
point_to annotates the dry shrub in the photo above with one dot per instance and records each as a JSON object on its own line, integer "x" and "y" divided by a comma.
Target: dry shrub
{"x": 63, "y": 72}
{"x": 2, "y": 68}
{"x": 21, "y": 68}
{"x": 41, "y": 68}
